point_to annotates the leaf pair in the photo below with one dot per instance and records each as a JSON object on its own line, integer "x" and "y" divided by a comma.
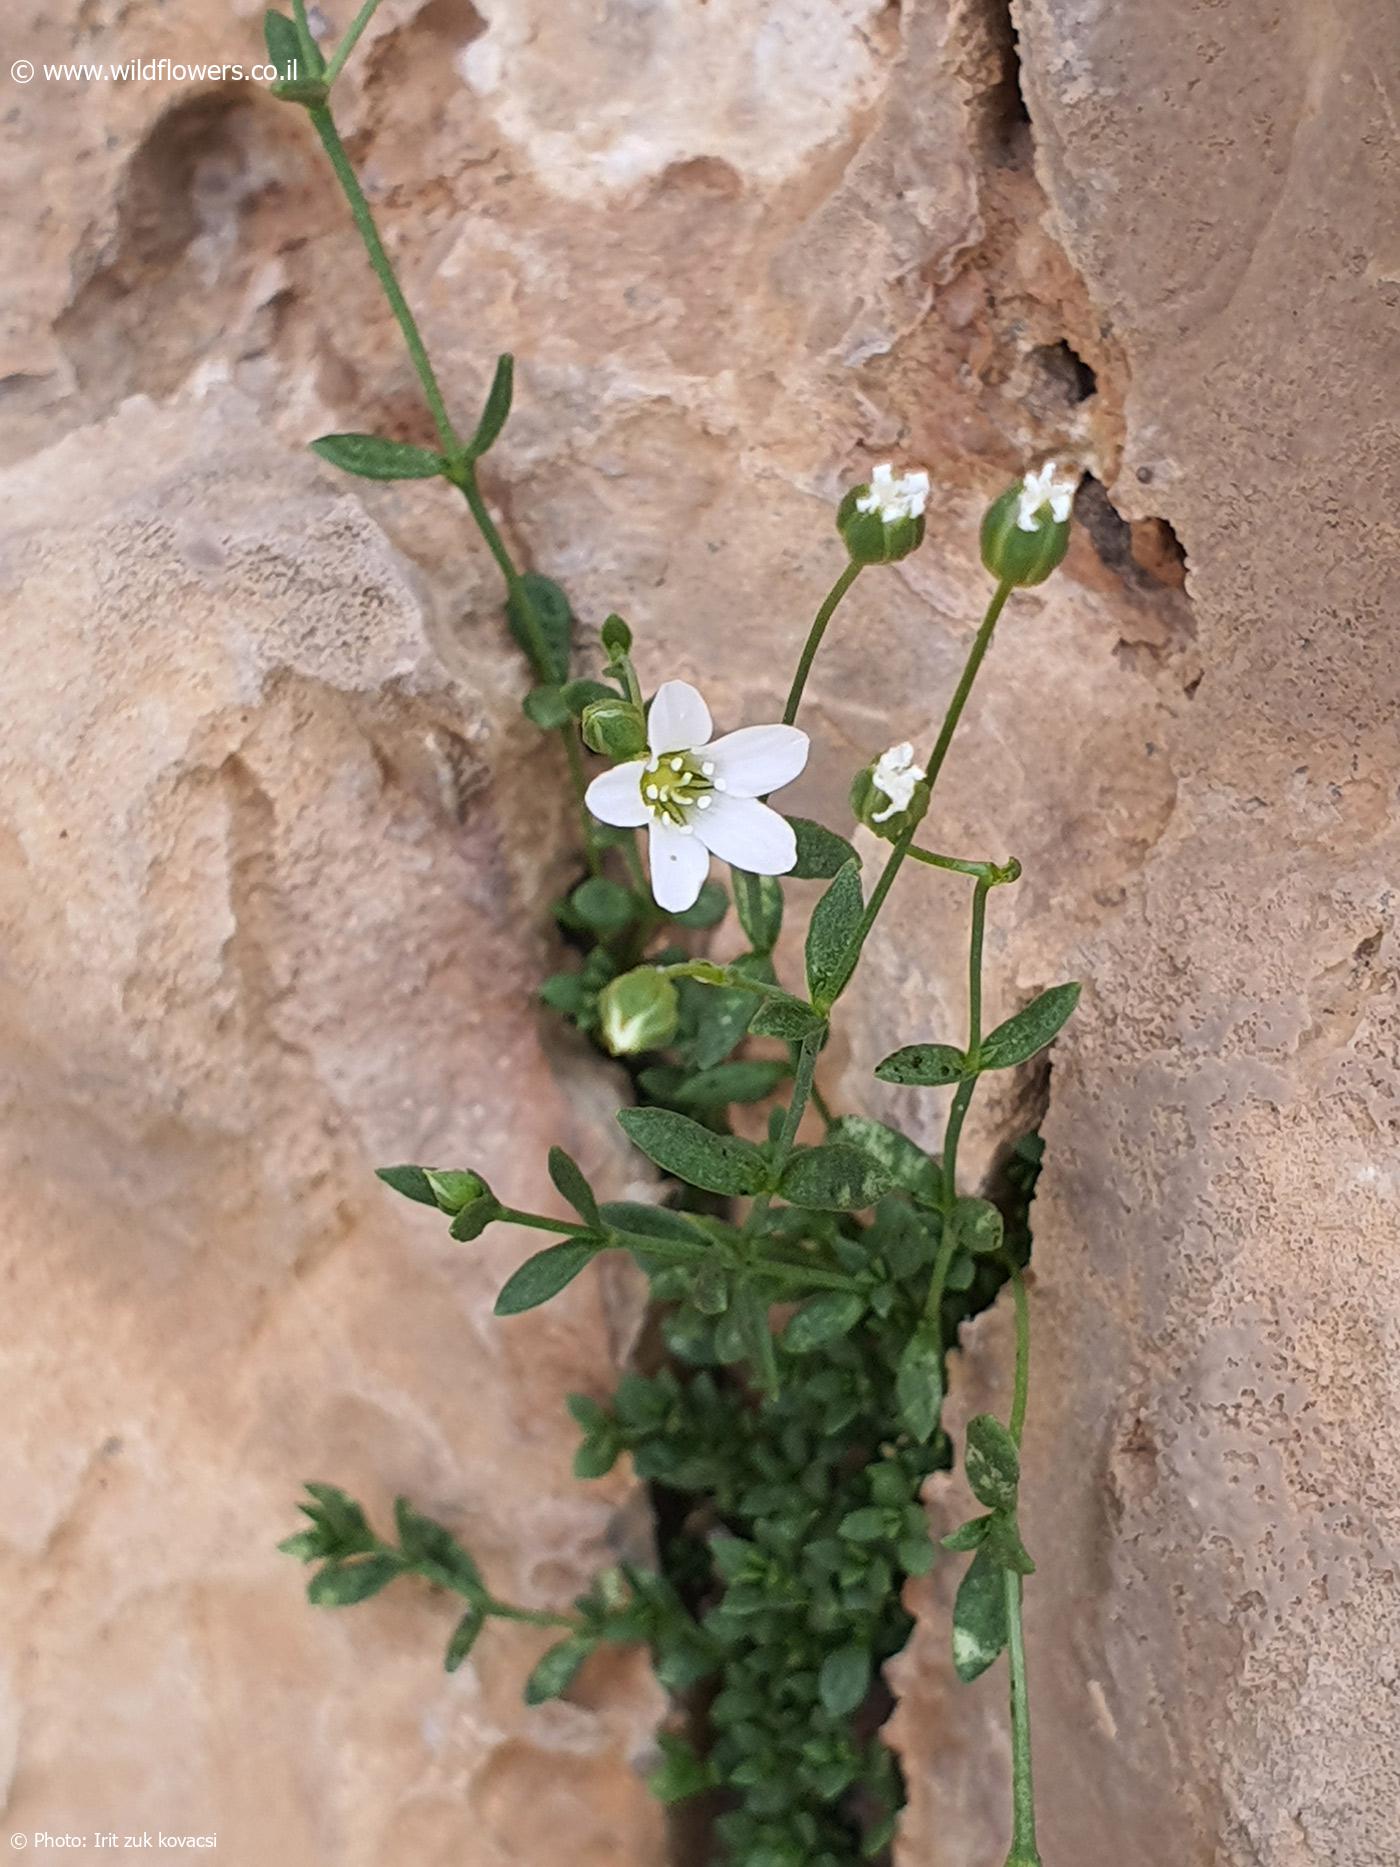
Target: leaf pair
{"x": 980, "y": 1612}
{"x": 371, "y": 456}
{"x": 932, "y": 1066}
{"x": 832, "y": 1178}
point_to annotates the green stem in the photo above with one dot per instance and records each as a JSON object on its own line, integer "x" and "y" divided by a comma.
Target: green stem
{"x": 994, "y": 872}
{"x": 383, "y": 270}
{"x": 814, "y": 639}
{"x": 532, "y": 1617}
{"x": 981, "y": 643}
{"x": 349, "y": 42}
{"x": 677, "y": 1251}
{"x": 957, "y": 1114}
{"x": 802, "y": 1078}
{"x": 1024, "y": 1852}
{"x": 1023, "y": 1355}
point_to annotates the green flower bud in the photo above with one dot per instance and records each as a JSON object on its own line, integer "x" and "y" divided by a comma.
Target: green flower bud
{"x": 467, "y": 1200}
{"x": 615, "y": 728}
{"x": 884, "y": 521}
{"x": 889, "y": 794}
{"x": 638, "y": 1011}
{"x": 1026, "y": 531}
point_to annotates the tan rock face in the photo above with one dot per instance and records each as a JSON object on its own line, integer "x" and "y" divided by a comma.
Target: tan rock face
{"x": 276, "y": 854}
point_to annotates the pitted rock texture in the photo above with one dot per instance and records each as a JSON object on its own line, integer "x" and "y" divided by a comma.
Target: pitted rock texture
{"x": 278, "y": 852}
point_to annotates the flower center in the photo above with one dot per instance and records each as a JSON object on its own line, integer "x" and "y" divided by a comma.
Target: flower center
{"x": 675, "y": 784}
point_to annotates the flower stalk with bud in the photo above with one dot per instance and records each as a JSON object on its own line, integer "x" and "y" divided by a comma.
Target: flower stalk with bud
{"x": 809, "y": 1286}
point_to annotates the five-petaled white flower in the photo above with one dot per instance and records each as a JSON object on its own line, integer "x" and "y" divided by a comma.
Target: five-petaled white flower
{"x": 701, "y": 797}
{"x": 896, "y": 777}
{"x": 894, "y": 499}
{"x": 1048, "y": 486}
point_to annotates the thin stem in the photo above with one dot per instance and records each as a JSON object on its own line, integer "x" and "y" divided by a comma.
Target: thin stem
{"x": 962, "y": 1096}
{"x": 802, "y": 1078}
{"x": 814, "y": 639}
{"x": 1023, "y": 1355}
{"x": 981, "y": 643}
{"x": 384, "y": 271}
{"x": 349, "y": 42}
{"x": 974, "y": 967}
{"x": 993, "y": 872}
{"x": 1024, "y": 1852}
{"x": 532, "y": 1617}
{"x": 466, "y": 479}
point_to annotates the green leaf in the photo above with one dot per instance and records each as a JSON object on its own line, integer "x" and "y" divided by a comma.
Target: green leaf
{"x": 821, "y": 853}
{"x": 555, "y": 1672}
{"x": 977, "y": 1226}
{"x": 545, "y": 1275}
{"x": 546, "y": 707}
{"x": 834, "y": 1313}
{"x": 867, "y": 1525}
{"x": 830, "y": 932}
{"x": 371, "y": 457}
{"x": 630, "y": 1215}
{"x": 464, "y": 1637}
{"x": 907, "y": 1164}
{"x": 710, "y": 908}
{"x": 541, "y": 621}
{"x": 339, "y": 1520}
{"x": 283, "y": 46}
{"x": 342, "y": 1584}
{"x": 747, "y": 1080}
{"x": 992, "y": 1463}
{"x": 582, "y": 693}
{"x": 570, "y": 1184}
{"x": 791, "y": 1019}
{"x": 605, "y": 907}
{"x": 1004, "y": 1543}
{"x": 720, "y": 1163}
{"x": 493, "y": 416}
{"x": 834, "y": 1179}
{"x": 412, "y": 1182}
{"x": 1029, "y": 1031}
{"x": 844, "y": 1679}
{"x": 925, "y": 1066}
{"x": 681, "y": 1773}
{"x": 597, "y": 1455}
{"x": 430, "y": 1545}
{"x": 759, "y": 900}
{"x": 969, "y": 1535}
{"x": 979, "y": 1618}
{"x": 919, "y": 1384}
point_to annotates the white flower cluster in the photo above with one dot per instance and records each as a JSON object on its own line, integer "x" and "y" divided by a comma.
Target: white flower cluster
{"x": 895, "y": 497}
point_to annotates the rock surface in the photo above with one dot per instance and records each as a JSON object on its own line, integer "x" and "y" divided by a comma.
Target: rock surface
{"x": 276, "y": 854}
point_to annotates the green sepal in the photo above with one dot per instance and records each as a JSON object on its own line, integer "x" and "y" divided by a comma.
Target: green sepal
{"x": 833, "y": 926}
{"x": 497, "y": 408}
{"x": 924, "y": 1066}
{"x": 1020, "y": 557}
{"x": 821, "y": 853}
{"x": 371, "y": 457}
{"x": 1030, "y": 1030}
{"x": 719, "y": 1163}
{"x": 543, "y": 1276}
{"x": 979, "y": 1617}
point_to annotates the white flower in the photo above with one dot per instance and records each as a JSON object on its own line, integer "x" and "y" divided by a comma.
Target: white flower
{"x": 702, "y": 798}
{"x": 897, "y": 777}
{"x": 1049, "y": 486}
{"x": 893, "y": 499}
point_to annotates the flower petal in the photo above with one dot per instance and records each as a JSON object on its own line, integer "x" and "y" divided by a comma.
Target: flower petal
{"x": 679, "y": 865}
{"x": 679, "y": 718}
{"x": 758, "y": 759}
{"x": 748, "y": 834}
{"x": 615, "y": 796}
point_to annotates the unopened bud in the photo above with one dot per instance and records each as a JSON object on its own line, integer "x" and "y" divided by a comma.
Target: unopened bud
{"x": 1026, "y": 531}
{"x": 615, "y": 728}
{"x": 466, "y": 1198}
{"x": 884, "y": 521}
{"x": 638, "y": 1011}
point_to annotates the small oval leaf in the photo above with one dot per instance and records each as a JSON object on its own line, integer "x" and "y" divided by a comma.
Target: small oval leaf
{"x": 371, "y": 457}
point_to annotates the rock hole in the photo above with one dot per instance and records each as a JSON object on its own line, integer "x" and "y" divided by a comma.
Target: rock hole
{"x": 1067, "y": 368}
